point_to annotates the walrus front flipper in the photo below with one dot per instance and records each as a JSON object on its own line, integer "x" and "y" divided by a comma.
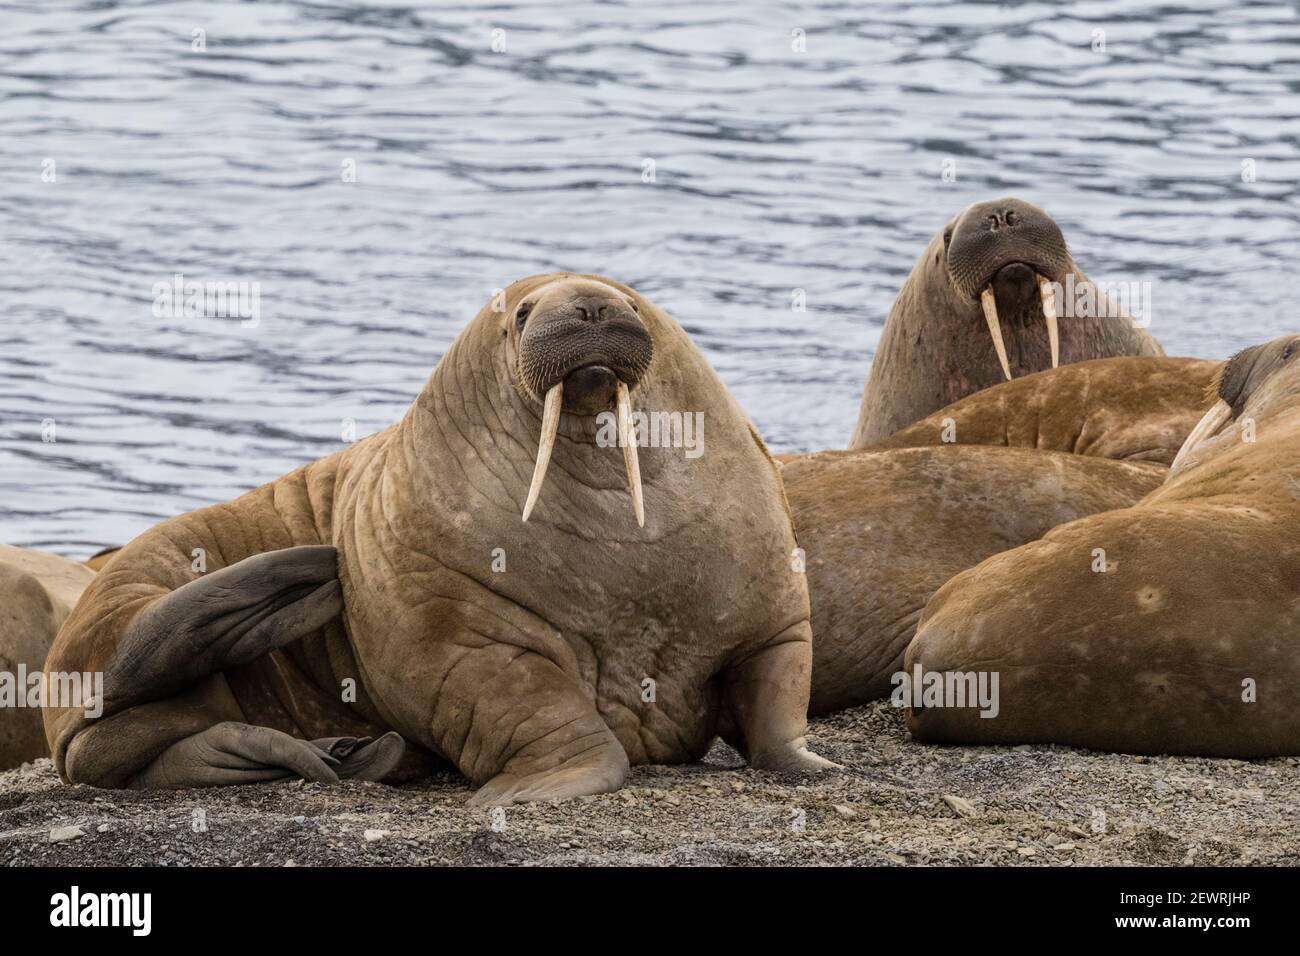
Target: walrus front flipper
{"x": 767, "y": 698}
{"x": 230, "y": 753}
{"x": 222, "y": 620}
{"x": 550, "y": 743}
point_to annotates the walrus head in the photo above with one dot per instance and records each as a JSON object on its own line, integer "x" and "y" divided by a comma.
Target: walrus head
{"x": 1005, "y": 254}
{"x": 580, "y": 347}
{"x": 1237, "y": 383}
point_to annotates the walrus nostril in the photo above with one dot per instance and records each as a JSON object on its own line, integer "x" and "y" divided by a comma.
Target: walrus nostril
{"x": 594, "y": 310}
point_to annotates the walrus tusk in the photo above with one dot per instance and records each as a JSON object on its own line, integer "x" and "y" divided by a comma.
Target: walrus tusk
{"x": 991, "y": 316}
{"x": 1048, "y": 296}
{"x": 550, "y": 425}
{"x": 630, "y": 460}
{"x": 1209, "y": 424}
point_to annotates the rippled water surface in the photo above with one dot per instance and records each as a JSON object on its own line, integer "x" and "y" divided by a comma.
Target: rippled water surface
{"x": 775, "y": 170}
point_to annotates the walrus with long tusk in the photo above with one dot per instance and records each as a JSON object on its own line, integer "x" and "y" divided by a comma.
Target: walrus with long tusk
{"x": 391, "y": 593}
{"x": 883, "y": 530}
{"x": 37, "y": 592}
{"x": 1132, "y": 408}
{"x": 1166, "y": 628}
{"x": 978, "y": 308}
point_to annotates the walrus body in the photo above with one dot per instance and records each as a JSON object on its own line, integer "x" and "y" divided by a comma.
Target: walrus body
{"x": 1130, "y": 408}
{"x": 99, "y": 560}
{"x": 882, "y": 531}
{"x": 1168, "y": 627}
{"x": 393, "y": 586}
{"x": 978, "y": 308}
{"x": 37, "y": 592}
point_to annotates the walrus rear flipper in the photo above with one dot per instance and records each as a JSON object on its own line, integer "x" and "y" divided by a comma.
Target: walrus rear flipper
{"x": 169, "y": 654}
{"x": 364, "y": 758}
{"x": 223, "y": 620}
{"x": 232, "y": 753}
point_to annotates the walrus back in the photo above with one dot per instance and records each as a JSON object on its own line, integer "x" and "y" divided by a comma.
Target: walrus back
{"x": 1130, "y": 408}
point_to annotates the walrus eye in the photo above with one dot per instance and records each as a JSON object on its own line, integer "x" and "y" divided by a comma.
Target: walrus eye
{"x": 521, "y": 315}
{"x": 947, "y": 238}
{"x": 1288, "y": 351}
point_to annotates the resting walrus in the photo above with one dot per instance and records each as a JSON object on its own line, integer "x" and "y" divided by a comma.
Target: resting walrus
{"x": 37, "y": 592}
{"x": 1167, "y": 627}
{"x": 979, "y": 307}
{"x": 882, "y": 531}
{"x": 1131, "y": 408}
{"x": 541, "y": 657}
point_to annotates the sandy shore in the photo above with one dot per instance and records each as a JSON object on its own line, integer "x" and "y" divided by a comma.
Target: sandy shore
{"x": 896, "y": 803}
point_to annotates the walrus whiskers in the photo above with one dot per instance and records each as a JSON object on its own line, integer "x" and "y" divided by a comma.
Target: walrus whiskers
{"x": 550, "y": 425}
{"x": 1209, "y": 424}
{"x": 627, "y": 439}
{"x": 991, "y": 316}
{"x": 1048, "y": 296}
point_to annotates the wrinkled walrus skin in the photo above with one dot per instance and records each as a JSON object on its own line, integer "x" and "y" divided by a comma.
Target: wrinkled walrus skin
{"x": 882, "y": 531}
{"x": 1186, "y": 643}
{"x": 37, "y": 592}
{"x": 1129, "y": 408}
{"x": 937, "y": 345}
{"x": 540, "y": 657}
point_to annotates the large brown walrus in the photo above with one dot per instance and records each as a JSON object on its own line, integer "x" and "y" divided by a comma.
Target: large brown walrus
{"x": 1130, "y": 408}
{"x": 393, "y": 587}
{"x": 37, "y": 592}
{"x": 1168, "y": 627}
{"x": 882, "y": 531}
{"x": 981, "y": 306}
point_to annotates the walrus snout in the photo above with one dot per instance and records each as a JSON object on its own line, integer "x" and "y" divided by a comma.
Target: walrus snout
{"x": 582, "y": 349}
{"x": 993, "y": 234}
{"x": 563, "y": 335}
{"x": 1236, "y": 383}
{"x": 997, "y": 252}
{"x": 1243, "y": 374}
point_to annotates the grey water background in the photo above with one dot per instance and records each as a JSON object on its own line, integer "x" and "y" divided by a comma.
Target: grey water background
{"x": 775, "y": 170}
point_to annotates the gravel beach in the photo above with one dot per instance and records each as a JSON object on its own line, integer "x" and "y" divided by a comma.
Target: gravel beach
{"x": 895, "y": 803}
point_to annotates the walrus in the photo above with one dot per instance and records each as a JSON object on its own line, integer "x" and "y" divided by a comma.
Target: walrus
{"x": 883, "y": 530}
{"x": 981, "y": 306}
{"x": 99, "y": 560}
{"x": 37, "y": 592}
{"x": 503, "y": 579}
{"x": 1163, "y": 628}
{"x": 1129, "y": 408}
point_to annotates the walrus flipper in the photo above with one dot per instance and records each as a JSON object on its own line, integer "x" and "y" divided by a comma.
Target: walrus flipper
{"x": 364, "y": 758}
{"x": 223, "y": 620}
{"x": 767, "y": 698}
{"x": 232, "y": 753}
{"x": 167, "y": 717}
